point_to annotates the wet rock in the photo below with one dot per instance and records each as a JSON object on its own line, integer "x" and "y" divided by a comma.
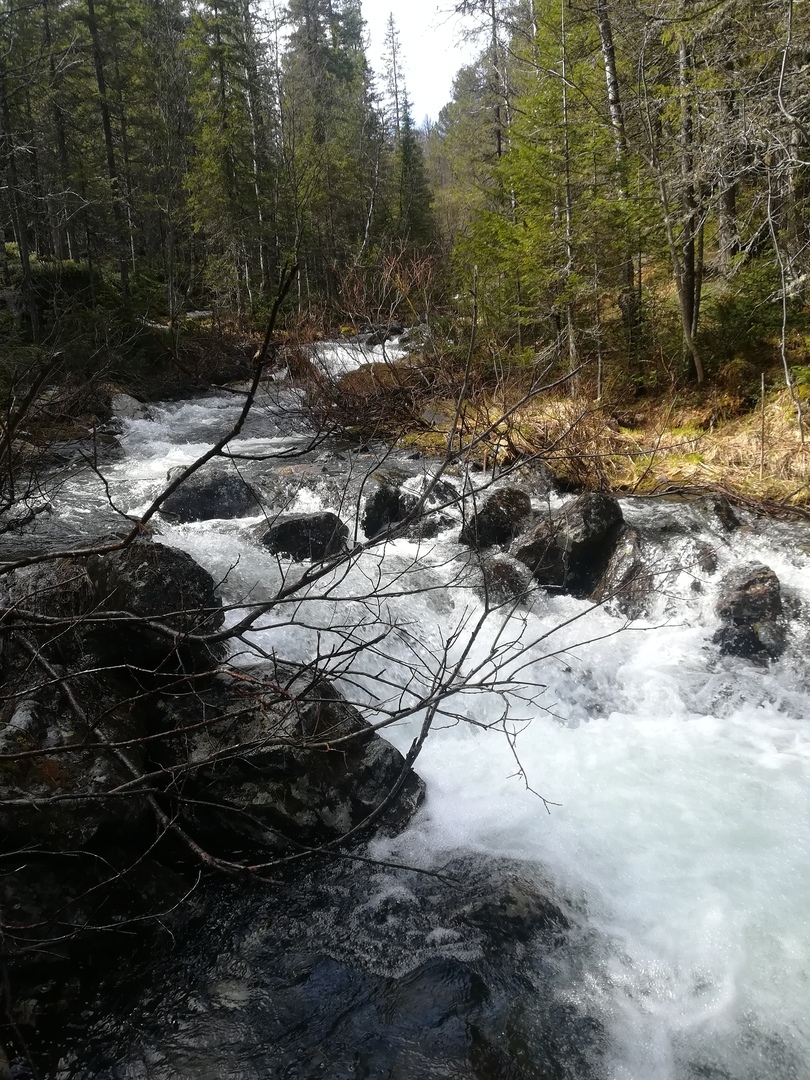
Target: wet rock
{"x": 378, "y": 334}
{"x": 389, "y": 502}
{"x": 570, "y": 550}
{"x": 627, "y": 581}
{"x": 70, "y": 892}
{"x": 428, "y": 526}
{"x": 142, "y": 584}
{"x": 211, "y": 493}
{"x": 749, "y": 604}
{"x": 515, "y": 911}
{"x": 303, "y": 537}
{"x": 373, "y": 972}
{"x": 534, "y": 477}
{"x": 723, "y": 511}
{"x": 286, "y": 759}
{"x": 706, "y": 557}
{"x": 505, "y": 581}
{"x": 385, "y": 506}
{"x": 52, "y": 794}
{"x": 126, "y": 407}
{"x": 498, "y": 519}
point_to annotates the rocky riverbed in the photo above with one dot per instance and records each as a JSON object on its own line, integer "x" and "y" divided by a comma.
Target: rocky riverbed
{"x": 594, "y": 867}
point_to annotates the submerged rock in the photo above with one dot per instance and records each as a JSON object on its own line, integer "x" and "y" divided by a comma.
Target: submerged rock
{"x": 498, "y": 519}
{"x": 749, "y": 604}
{"x": 303, "y": 537}
{"x": 371, "y": 971}
{"x": 571, "y": 549}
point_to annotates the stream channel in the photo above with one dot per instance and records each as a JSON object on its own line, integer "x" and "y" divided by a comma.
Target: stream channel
{"x": 674, "y": 836}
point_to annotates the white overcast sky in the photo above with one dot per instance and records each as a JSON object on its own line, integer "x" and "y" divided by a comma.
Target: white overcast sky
{"x": 431, "y": 44}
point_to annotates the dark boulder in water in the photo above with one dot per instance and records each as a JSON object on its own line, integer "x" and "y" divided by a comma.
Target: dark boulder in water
{"x": 387, "y": 505}
{"x": 749, "y": 604}
{"x": 628, "y": 580}
{"x": 498, "y": 519}
{"x": 140, "y": 607}
{"x": 570, "y": 550}
{"x": 306, "y": 537}
{"x": 211, "y": 493}
{"x": 284, "y": 758}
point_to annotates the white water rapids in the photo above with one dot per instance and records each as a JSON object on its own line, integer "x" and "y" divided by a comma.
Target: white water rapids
{"x": 679, "y": 780}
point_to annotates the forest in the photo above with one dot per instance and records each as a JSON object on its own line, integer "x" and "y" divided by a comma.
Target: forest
{"x": 620, "y": 190}
{"x": 629, "y": 180}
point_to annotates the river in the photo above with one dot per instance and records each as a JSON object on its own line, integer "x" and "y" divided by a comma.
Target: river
{"x": 674, "y": 822}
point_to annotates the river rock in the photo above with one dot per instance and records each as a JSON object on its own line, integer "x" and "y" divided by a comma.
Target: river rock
{"x": 372, "y": 972}
{"x": 570, "y": 550}
{"x": 145, "y": 583}
{"x": 749, "y": 604}
{"x": 497, "y": 519}
{"x": 211, "y": 493}
{"x": 52, "y": 795}
{"x": 390, "y": 502}
{"x": 378, "y": 334}
{"x": 385, "y": 506}
{"x": 627, "y": 581}
{"x": 503, "y": 580}
{"x": 126, "y": 407}
{"x": 303, "y": 537}
{"x": 258, "y": 780}
{"x": 723, "y": 511}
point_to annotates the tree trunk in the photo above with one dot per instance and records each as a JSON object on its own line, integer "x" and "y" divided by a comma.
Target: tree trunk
{"x": 18, "y": 215}
{"x": 65, "y": 228}
{"x": 690, "y": 270}
{"x": 109, "y": 146}
{"x": 629, "y": 297}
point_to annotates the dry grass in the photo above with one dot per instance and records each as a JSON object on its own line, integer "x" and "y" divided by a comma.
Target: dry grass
{"x": 667, "y": 449}
{"x": 698, "y": 441}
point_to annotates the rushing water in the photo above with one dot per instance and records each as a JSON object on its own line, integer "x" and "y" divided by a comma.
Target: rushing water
{"x": 677, "y": 816}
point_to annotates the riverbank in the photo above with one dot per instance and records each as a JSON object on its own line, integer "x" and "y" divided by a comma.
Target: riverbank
{"x": 411, "y": 391}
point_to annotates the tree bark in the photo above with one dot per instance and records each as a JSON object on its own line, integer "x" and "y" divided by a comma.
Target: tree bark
{"x": 109, "y": 146}
{"x": 629, "y": 297}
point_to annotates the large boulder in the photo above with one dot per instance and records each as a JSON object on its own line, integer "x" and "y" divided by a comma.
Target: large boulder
{"x": 306, "y": 537}
{"x": 52, "y": 787}
{"x": 504, "y": 581}
{"x": 749, "y": 605}
{"x": 377, "y": 334}
{"x": 497, "y": 519}
{"x": 126, "y": 407}
{"x": 136, "y": 607}
{"x": 211, "y": 493}
{"x": 570, "y": 550}
{"x": 388, "y": 502}
{"x": 280, "y": 757}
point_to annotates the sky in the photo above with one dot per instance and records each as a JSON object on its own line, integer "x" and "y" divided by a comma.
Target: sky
{"x": 431, "y": 44}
